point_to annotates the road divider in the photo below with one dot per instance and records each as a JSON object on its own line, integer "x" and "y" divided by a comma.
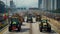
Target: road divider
{"x": 3, "y": 29}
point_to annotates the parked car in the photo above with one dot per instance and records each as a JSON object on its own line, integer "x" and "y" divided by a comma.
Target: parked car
{"x": 44, "y": 25}
{"x": 14, "y": 25}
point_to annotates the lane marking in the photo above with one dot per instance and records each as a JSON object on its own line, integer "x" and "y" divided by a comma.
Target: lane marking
{"x": 30, "y": 32}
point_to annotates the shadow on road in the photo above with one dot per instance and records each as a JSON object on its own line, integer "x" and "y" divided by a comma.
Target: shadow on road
{"x": 23, "y": 24}
{"x": 52, "y": 31}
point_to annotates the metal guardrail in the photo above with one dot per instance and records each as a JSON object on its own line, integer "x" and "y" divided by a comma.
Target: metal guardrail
{"x": 3, "y": 28}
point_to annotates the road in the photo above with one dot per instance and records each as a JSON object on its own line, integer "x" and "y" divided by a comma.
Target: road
{"x": 28, "y": 28}
{"x": 32, "y": 28}
{"x": 24, "y": 29}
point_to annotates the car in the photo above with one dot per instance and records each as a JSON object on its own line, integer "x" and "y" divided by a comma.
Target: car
{"x": 44, "y": 25}
{"x": 14, "y": 24}
{"x": 29, "y": 18}
{"x": 38, "y": 17}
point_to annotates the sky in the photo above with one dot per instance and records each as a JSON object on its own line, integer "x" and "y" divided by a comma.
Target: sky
{"x": 23, "y": 3}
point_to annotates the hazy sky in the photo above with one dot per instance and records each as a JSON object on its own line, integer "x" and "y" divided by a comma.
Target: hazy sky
{"x": 24, "y": 3}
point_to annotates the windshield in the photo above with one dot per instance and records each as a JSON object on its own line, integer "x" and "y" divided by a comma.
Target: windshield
{"x": 44, "y": 21}
{"x": 14, "y": 21}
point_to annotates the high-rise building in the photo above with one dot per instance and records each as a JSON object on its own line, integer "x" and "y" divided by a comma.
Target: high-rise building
{"x": 12, "y": 5}
{"x": 39, "y": 3}
{"x": 55, "y": 4}
{"x": 50, "y": 4}
{"x": 58, "y": 3}
{"x": 44, "y": 4}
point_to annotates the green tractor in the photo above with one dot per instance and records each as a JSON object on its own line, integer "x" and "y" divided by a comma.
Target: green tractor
{"x": 44, "y": 25}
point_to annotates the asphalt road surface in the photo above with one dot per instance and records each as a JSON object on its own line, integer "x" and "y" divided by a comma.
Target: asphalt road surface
{"x": 29, "y": 28}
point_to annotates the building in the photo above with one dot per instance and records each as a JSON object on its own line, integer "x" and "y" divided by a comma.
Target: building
{"x": 53, "y": 4}
{"x": 44, "y": 4}
{"x": 58, "y": 4}
{"x": 12, "y": 5}
{"x": 39, "y": 3}
{"x": 50, "y": 4}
